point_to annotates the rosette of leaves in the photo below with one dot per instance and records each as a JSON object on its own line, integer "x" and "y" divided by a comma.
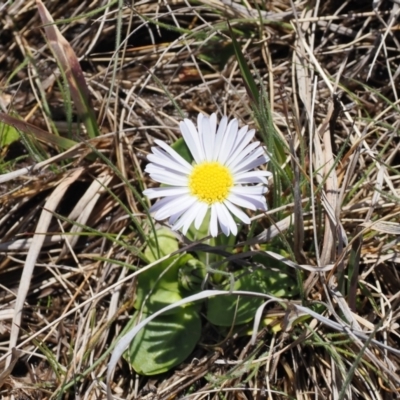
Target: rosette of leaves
{"x": 170, "y": 338}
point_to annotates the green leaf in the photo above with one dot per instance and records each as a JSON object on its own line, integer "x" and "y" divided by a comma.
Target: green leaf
{"x": 8, "y": 135}
{"x": 236, "y": 310}
{"x": 182, "y": 149}
{"x": 165, "y": 242}
{"x": 191, "y": 275}
{"x": 159, "y": 286}
{"x": 278, "y": 280}
{"x": 165, "y": 342}
{"x": 170, "y": 280}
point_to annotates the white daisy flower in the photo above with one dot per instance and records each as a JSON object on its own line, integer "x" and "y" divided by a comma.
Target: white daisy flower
{"x": 220, "y": 179}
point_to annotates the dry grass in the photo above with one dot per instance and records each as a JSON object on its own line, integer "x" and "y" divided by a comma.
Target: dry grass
{"x": 72, "y": 227}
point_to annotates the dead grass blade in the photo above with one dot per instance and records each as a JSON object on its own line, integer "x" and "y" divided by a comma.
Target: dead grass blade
{"x": 83, "y": 210}
{"x": 38, "y": 239}
{"x": 39, "y": 134}
{"x": 69, "y": 63}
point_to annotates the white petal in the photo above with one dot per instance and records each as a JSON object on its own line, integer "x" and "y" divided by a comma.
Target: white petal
{"x": 174, "y": 217}
{"x": 177, "y": 205}
{"x": 208, "y": 138}
{"x": 244, "y": 153}
{"x": 158, "y": 170}
{"x": 226, "y": 221}
{"x": 169, "y": 178}
{"x": 165, "y": 207}
{"x": 240, "y": 136}
{"x": 159, "y": 152}
{"x": 200, "y": 215}
{"x": 252, "y": 177}
{"x": 192, "y": 139}
{"x": 174, "y": 154}
{"x": 232, "y": 224}
{"x": 240, "y": 164}
{"x": 237, "y": 212}
{"x": 179, "y": 223}
{"x": 228, "y": 141}
{"x": 190, "y": 216}
{"x": 239, "y": 153}
{"x": 249, "y": 165}
{"x": 213, "y": 123}
{"x": 244, "y": 190}
{"x": 223, "y": 223}
{"x": 252, "y": 180}
{"x": 160, "y": 157}
{"x": 187, "y": 218}
{"x": 220, "y": 136}
{"x": 154, "y": 193}
{"x": 161, "y": 203}
{"x": 242, "y": 201}
{"x": 184, "y": 221}
{"x": 260, "y": 202}
{"x": 213, "y": 222}
{"x": 168, "y": 163}
{"x": 255, "y": 202}
{"x": 165, "y": 203}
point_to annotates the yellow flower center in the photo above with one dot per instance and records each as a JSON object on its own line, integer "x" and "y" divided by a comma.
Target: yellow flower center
{"x": 210, "y": 182}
